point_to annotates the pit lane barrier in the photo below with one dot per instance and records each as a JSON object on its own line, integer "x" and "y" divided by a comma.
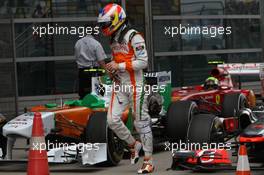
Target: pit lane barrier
{"x": 37, "y": 157}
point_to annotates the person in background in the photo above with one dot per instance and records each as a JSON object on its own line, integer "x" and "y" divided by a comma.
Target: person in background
{"x": 89, "y": 55}
{"x": 3, "y": 139}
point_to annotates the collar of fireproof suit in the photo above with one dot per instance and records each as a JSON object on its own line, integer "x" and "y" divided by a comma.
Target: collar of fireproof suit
{"x": 117, "y": 34}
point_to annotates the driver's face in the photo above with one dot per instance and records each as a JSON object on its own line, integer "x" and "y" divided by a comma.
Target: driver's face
{"x": 210, "y": 85}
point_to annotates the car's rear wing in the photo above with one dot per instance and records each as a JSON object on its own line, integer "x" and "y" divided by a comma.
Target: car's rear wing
{"x": 244, "y": 69}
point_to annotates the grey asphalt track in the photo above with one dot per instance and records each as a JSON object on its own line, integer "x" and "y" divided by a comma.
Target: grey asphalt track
{"x": 162, "y": 162}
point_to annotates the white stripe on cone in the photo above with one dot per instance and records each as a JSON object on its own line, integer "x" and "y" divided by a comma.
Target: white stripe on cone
{"x": 243, "y": 164}
{"x": 38, "y": 143}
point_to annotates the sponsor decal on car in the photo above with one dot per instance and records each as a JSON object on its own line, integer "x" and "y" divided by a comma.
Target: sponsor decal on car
{"x": 217, "y": 99}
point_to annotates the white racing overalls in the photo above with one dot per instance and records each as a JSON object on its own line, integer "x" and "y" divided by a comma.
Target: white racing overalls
{"x": 132, "y": 58}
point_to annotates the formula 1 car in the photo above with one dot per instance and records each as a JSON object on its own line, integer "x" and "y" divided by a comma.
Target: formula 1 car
{"x": 253, "y": 135}
{"x": 207, "y": 118}
{"x": 201, "y": 160}
{"x": 84, "y": 121}
{"x": 202, "y": 115}
{"x": 72, "y": 122}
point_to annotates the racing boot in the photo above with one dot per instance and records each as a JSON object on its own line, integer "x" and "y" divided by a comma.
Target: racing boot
{"x": 135, "y": 149}
{"x": 147, "y": 166}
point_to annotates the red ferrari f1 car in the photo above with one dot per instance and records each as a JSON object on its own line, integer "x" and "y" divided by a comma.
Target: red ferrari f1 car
{"x": 209, "y": 114}
{"x": 203, "y": 114}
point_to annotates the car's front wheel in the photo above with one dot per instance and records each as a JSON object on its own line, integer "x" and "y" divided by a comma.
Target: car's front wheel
{"x": 233, "y": 103}
{"x": 205, "y": 128}
{"x": 178, "y": 117}
{"x": 98, "y": 132}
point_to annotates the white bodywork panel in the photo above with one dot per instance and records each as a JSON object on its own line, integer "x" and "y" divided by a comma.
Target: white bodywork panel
{"x": 22, "y": 125}
{"x": 62, "y": 155}
{"x": 93, "y": 155}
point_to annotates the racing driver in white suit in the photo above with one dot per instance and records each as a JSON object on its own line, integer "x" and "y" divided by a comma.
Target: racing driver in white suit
{"x": 129, "y": 59}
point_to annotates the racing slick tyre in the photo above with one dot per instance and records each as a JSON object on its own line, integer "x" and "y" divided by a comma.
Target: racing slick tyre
{"x": 177, "y": 120}
{"x": 205, "y": 128}
{"x": 233, "y": 103}
{"x": 98, "y": 132}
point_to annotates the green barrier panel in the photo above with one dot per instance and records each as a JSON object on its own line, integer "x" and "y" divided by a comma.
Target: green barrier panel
{"x": 91, "y": 101}
{"x": 73, "y": 102}
{"x": 106, "y": 80}
{"x": 51, "y": 105}
{"x": 99, "y": 104}
{"x": 166, "y": 96}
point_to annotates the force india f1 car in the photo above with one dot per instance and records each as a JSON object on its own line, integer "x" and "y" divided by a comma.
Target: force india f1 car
{"x": 215, "y": 116}
{"x": 79, "y": 122}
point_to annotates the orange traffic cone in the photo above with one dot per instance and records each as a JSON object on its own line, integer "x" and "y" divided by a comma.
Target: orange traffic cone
{"x": 243, "y": 163}
{"x": 37, "y": 158}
